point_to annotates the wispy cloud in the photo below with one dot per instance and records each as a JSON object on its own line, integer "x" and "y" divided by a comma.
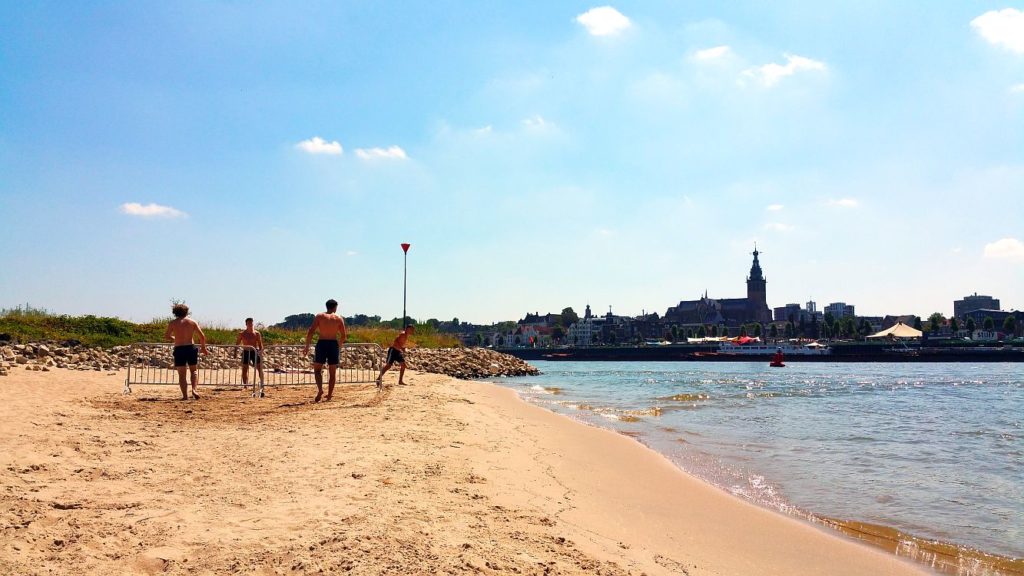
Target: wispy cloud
{"x": 774, "y": 207}
{"x": 389, "y": 153}
{"x": 844, "y": 203}
{"x": 711, "y": 53}
{"x": 770, "y": 74}
{"x": 1017, "y": 88}
{"x": 317, "y": 145}
{"x": 351, "y": 253}
{"x": 151, "y": 210}
{"x": 537, "y": 122}
{"x": 778, "y": 227}
{"x": 603, "y": 21}
{"x": 1009, "y": 249}
{"x": 1002, "y": 28}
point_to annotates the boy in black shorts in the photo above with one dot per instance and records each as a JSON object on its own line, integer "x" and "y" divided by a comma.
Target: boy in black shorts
{"x": 182, "y": 330}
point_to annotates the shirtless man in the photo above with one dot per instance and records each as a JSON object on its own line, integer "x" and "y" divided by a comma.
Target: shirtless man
{"x": 396, "y": 353}
{"x": 182, "y": 330}
{"x": 252, "y": 354}
{"x": 331, "y": 335}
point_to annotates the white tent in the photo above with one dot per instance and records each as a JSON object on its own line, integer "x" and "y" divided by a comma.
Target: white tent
{"x": 899, "y": 330}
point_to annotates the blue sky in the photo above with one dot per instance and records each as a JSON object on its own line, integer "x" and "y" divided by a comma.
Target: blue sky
{"x": 257, "y": 159}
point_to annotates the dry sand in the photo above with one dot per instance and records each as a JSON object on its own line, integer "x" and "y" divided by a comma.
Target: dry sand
{"x": 439, "y": 477}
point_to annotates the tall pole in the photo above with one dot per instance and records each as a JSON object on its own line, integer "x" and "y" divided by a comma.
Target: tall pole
{"x": 405, "y": 275}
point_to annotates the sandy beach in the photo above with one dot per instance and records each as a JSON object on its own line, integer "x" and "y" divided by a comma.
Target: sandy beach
{"x": 439, "y": 477}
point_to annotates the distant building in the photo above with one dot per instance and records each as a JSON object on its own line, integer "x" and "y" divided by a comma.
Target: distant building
{"x": 788, "y": 313}
{"x": 840, "y": 310}
{"x": 972, "y": 303}
{"x": 727, "y": 311}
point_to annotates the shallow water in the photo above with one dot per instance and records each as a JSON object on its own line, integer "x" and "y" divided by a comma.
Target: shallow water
{"x": 933, "y": 450}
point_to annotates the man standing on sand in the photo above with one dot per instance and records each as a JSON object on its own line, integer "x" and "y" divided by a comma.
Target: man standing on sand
{"x": 252, "y": 354}
{"x": 331, "y": 334}
{"x": 182, "y": 330}
{"x": 396, "y": 353}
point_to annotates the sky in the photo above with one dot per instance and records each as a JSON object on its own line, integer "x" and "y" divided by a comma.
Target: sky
{"x": 256, "y": 159}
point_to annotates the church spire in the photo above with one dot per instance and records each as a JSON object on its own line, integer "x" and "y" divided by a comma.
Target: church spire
{"x": 755, "y": 268}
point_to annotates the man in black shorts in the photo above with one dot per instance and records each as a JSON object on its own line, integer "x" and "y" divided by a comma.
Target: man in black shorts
{"x": 331, "y": 335}
{"x": 396, "y": 353}
{"x": 182, "y": 330}
{"x": 252, "y": 353}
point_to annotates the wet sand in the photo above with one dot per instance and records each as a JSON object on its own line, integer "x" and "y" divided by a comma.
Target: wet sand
{"x": 439, "y": 477}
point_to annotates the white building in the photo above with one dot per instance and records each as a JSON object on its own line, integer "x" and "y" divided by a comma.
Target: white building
{"x": 839, "y": 310}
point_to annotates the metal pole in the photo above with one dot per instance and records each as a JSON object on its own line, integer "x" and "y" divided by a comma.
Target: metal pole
{"x": 405, "y": 274}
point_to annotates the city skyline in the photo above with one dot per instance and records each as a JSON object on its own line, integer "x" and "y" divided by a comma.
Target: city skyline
{"x": 257, "y": 160}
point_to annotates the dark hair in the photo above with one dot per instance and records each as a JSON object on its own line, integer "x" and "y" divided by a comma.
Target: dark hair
{"x": 247, "y": 320}
{"x": 179, "y": 310}
{"x": 332, "y": 305}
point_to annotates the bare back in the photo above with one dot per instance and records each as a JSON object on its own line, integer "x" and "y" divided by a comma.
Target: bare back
{"x": 329, "y": 326}
{"x": 183, "y": 331}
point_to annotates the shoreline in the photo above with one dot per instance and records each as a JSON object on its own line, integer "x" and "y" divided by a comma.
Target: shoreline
{"x": 443, "y": 476}
{"x": 941, "y": 556}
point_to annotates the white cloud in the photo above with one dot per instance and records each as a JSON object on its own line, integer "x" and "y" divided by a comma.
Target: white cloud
{"x": 537, "y": 123}
{"x": 391, "y": 152}
{"x": 771, "y": 74}
{"x": 603, "y": 21}
{"x": 957, "y": 250}
{"x": 351, "y": 253}
{"x": 844, "y": 203}
{"x": 1010, "y": 249}
{"x": 774, "y": 207}
{"x": 711, "y": 53}
{"x": 778, "y": 227}
{"x": 484, "y": 131}
{"x": 1017, "y": 88}
{"x": 151, "y": 210}
{"x": 317, "y": 145}
{"x": 1002, "y": 28}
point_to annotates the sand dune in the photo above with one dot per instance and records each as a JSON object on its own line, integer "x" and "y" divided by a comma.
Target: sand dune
{"x": 440, "y": 477}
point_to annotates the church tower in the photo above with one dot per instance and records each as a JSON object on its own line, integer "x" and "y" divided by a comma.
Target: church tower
{"x": 757, "y": 295}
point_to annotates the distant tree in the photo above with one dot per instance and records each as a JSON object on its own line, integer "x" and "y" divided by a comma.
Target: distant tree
{"x": 743, "y": 330}
{"x": 935, "y": 321}
{"x": 989, "y": 324}
{"x": 675, "y": 333}
{"x": 830, "y": 322}
{"x": 757, "y": 330}
{"x": 455, "y": 322}
{"x": 954, "y": 325}
{"x": 773, "y": 331}
{"x": 814, "y": 326}
{"x": 971, "y": 325}
{"x": 849, "y": 326}
{"x": 479, "y": 339}
{"x": 296, "y": 322}
{"x": 701, "y": 332}
{"x": 611, "y": 337}
{"x": 557, "y": 333}
{"x": 689, "y": 332}
{"x": 790, "y": 329}
{"x": 917, "y": 323}
{"x": 1010, "y": 325}
{"x": 864, "y": 328}
{"x": 802, "y": 327}
{"x": 569, "y": 317}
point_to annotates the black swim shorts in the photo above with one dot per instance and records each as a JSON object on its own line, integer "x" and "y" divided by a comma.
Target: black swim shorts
{"x": 395, "y": 355}
{"x": 251, "y": 357}
{"x": 327, "y": 352}
{"x": 186, "y": 355}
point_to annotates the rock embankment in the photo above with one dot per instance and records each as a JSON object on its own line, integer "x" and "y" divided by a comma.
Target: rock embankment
{"x": 456, "y": 362}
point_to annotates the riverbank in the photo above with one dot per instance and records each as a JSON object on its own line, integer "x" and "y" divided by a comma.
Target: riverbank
{"x": 705, "y": 353}
{"x": 443, "y": 476}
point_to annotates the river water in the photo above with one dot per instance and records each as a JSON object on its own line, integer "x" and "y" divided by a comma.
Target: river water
{"x": 932, "y": 450}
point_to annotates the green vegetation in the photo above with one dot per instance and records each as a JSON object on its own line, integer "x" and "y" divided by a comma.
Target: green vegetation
{"x": 34, "y": 324}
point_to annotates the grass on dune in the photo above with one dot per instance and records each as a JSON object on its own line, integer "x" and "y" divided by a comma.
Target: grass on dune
{"x": 33, "y": 324}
